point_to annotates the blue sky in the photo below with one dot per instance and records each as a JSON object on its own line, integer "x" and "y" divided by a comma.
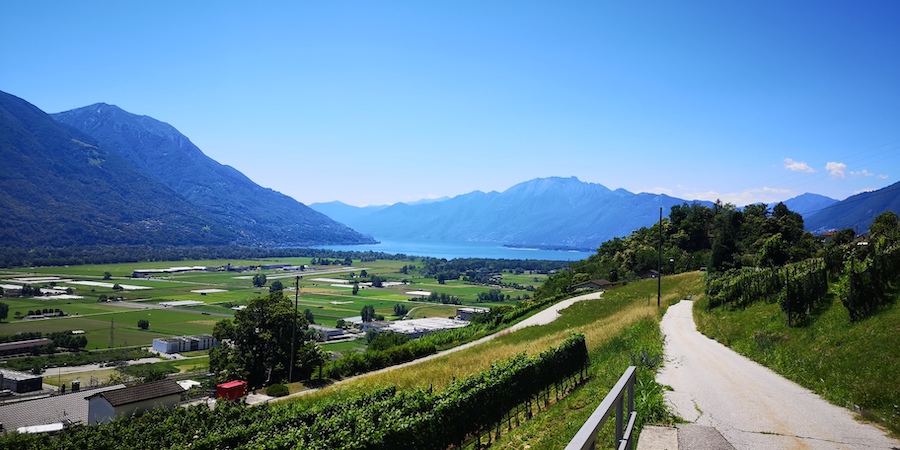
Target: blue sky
{"x": 379, "y": 102}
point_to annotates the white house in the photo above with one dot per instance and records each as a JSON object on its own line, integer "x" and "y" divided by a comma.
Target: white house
{"x": 135, "y": 400}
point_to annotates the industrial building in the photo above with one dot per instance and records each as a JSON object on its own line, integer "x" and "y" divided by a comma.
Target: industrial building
{"x": 20, "y": 382}
{"x": 26, "y": 346}
{"x": 184, "y": 344}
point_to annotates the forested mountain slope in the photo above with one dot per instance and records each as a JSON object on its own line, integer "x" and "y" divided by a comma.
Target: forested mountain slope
{"x": 255, "y": 215}
{"x": 60, "y": 187}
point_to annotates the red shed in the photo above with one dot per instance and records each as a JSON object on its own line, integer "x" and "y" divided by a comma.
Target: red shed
{"x": 231, "y": 390}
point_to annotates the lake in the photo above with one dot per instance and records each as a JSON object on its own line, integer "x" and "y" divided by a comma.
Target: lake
{"x": 452, "y": 250}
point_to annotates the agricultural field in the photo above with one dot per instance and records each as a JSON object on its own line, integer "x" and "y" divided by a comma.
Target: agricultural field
{"x": 108, "y": 314}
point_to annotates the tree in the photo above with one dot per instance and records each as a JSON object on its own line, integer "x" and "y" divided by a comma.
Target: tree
{"x": 260, "y": 338}
{"x": 309, "y": 316}
{"x": 400, "y": 309}
{"x": 4, "y": 311}
{"x": 276, "y": 286}
{"x": 117, "y": 287}
{"x": 368, "y": 313}
{"x": 143, "y": 324}
{"x": 355, "y": 288}
{"x": 107, "y": 276}
{"x": 259, "y": 280}
{"x": 886, "y": 228}
{"x": 364, "y": 273}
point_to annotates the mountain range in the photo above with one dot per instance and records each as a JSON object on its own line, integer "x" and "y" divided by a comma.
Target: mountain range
{"x": 100, "y": 175}
{"x": 544, "y": 212}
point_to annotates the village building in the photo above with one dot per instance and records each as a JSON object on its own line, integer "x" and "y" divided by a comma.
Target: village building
{"x": 593, "y": 285}
{"x": 131, "y": 401}
{"x": 46, "y": 414}
{"x": 327, "y": 333}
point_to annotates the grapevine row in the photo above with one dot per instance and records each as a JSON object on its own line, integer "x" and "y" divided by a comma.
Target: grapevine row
{"x": 384, "y": 419}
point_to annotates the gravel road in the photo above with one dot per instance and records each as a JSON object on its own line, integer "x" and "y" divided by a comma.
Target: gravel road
{"x": 753, "y": 407}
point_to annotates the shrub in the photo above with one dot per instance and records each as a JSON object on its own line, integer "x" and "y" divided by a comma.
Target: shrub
{"x": 277, "y": 390}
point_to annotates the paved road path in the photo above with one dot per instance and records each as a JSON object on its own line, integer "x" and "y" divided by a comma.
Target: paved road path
{"x": 753, "y": 407}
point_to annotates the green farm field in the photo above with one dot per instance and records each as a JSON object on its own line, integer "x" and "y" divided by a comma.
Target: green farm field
{"x": 324, "y": 290}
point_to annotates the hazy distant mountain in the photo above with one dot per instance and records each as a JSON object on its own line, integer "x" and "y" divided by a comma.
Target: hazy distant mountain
{"x": 343, "y": 212}
{"x": 559, "y": 212}
{"x": 855, "y": 212}
{"x": 808, "y": 204}
{"x": 59, "y": 187}
{"x": 256, "y": 215}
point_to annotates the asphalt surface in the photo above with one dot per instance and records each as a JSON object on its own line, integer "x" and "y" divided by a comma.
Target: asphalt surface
{"x": 751, "y": 406}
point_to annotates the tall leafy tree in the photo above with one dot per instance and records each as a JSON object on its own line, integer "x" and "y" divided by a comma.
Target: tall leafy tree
{"x": 4, "y": 310}
{"x": 367, "y": 313}
{"x": 259, "y": 280}
{"x": 259, "y": 342}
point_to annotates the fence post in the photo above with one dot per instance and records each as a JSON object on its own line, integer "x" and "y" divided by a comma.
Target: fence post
{"x": 620, "y": 403}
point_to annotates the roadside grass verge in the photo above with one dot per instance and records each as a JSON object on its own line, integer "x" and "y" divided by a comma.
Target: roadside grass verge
{"x": 851, "y": 365}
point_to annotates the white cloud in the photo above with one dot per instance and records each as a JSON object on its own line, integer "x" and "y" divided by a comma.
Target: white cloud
{"x": 862, "y": 173}
{"x": 883, "y": 177}
{"x": 746, "y": 197}
{"x": 836, "y": 169}
{"x": 797, "y": 166}
{"x": 660, "y": 190}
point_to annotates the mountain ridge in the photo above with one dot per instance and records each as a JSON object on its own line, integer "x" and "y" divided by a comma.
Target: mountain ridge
{"x": 60, "y": 188}
{"x": 551, "y": 211}
{"x": 258, "y": 215}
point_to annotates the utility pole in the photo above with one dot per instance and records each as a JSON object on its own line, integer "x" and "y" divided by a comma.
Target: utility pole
{"x": 294, "y": 329}
{"x": 659, "y": 263}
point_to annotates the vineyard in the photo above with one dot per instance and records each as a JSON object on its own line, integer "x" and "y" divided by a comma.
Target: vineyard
{"x": 863, "y": 277}
{"x": 383, "y": 419}
{"x": 796, "y": 287}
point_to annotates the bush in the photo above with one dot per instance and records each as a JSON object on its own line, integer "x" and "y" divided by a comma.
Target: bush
{"x": 277, "y": 390}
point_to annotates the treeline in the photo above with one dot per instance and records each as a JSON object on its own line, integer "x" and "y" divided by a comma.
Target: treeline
{"x": 110, "y": 254}
{"x": 384, "y": 419}
{"x": 442, "y": 298}
{"x": 695, "y": 236}
{"x": 63, "y": 339}
{"x": 475, "y": 269}
{"x": 39, "y": 363}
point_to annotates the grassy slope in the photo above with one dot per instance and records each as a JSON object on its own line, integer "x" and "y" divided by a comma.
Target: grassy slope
{"x": 851, "y": 365}
{"x": 619, "y": 325}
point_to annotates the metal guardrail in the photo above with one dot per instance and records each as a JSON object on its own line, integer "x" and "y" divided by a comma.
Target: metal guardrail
{"x": 586, "y": 438}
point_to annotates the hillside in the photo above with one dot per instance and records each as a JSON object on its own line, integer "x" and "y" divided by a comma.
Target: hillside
{"x": 856, "y": 212}
{"x": 554, "y": 211}
{"x": 254, "y": 215}
{"x": 60, "y": 187}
